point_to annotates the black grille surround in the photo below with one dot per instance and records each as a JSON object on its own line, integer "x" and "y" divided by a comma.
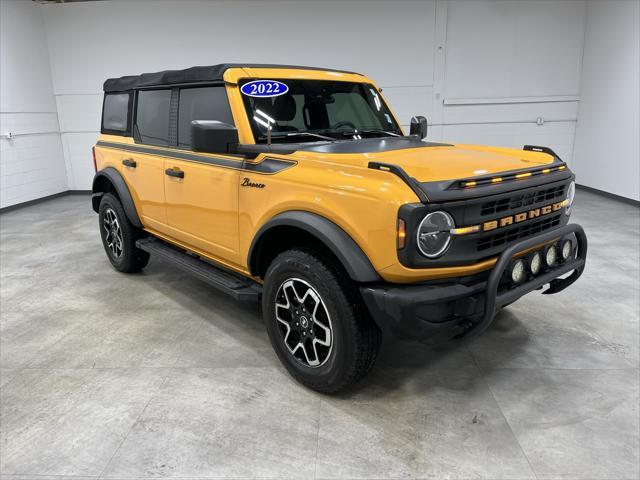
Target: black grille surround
{"x": 476, "y": 247}
{"x": 535, "y": 198}
{"x": 506, "y": 236}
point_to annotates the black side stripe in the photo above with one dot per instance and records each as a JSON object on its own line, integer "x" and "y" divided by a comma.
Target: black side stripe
{"x": 267, "y": 166}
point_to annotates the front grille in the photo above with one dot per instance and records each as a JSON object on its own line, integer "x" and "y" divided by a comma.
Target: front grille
{"x": 486, "y": 244}
{"x": 518, "y": 233}
{"x": 530, "y": 198}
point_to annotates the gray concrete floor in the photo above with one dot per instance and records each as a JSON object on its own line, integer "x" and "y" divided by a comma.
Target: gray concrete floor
{"x": 156, "y": 375}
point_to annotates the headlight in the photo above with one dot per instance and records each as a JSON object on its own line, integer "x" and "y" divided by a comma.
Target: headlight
{"x": 571, "y": 193}
{"x": 434, "y": 234}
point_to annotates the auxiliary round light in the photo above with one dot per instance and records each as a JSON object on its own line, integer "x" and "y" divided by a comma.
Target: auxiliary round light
{"x": 517, "y": 271}
{"x": 567, "y": 248}
{"x": 551, "y": 255}
{"x": 535, "y": 263}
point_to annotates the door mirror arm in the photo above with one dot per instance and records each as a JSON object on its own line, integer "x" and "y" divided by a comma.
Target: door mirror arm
{"x": 212, "y": 136}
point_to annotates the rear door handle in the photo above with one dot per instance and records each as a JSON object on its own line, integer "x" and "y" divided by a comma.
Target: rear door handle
{"x": 174, "y": 172}
{"x": 129, "y": 162}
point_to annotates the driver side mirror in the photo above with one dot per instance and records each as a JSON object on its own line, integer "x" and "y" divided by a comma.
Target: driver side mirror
{"x": 211, "y": 136}
{"x": 419, "y": 127}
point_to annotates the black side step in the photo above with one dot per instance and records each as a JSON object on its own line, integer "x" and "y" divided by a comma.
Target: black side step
{"x": 238, "y": 287}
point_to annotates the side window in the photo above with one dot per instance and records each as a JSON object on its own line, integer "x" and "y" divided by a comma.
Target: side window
{"x": 201, "y": 103}
{"x": 115, "y": 112}
{"x": 152, "y": 116}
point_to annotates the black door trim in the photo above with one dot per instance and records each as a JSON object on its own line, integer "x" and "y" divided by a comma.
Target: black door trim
{"x": 268, "y": 166}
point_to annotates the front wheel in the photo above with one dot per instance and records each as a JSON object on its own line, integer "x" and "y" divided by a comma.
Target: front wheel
{"x": 119, "y": 236}
{"x": 316, "y": 322}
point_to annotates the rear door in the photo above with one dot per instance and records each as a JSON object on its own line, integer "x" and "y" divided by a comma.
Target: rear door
{"x": 202, "y": 189}
{"x": 143, "y": 162}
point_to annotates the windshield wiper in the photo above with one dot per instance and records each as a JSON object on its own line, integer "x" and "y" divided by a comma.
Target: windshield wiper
{"x": 386, "y": 132}
{"x": 351, "y": 133}
{"x": 317, "y": 135}
{"x": 299, "y": 134}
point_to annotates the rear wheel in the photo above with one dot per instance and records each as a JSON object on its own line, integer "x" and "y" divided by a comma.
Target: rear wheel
{"x": 316, "y": 323}
{"x": 119, "y": 236}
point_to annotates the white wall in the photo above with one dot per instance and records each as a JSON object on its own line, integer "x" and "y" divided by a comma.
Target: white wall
{"x": 89, "y": 42}
{"x": 608, "y": 132}
{"x": 508, "y": 64}
{"x": 32, "y": 163}
{"x": 481, "y": 71}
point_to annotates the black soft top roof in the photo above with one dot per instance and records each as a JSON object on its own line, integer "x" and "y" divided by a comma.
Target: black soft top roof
{"x": 211, "y": 73}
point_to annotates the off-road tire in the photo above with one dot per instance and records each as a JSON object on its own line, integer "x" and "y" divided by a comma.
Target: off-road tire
{"x": 125, "y": 256}
{"x": 355, "y": 337}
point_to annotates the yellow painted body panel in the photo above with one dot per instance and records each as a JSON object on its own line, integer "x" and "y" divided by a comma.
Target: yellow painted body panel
{"x": 209, "y": 213}
{"x": 202, "y": 208}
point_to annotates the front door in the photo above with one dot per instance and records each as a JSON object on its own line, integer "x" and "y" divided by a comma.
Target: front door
{"x": 202, "y": 206}
{"x": 201, "y": 189}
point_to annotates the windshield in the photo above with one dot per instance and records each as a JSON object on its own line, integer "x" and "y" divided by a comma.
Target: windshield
{"x": 320, "y": 110}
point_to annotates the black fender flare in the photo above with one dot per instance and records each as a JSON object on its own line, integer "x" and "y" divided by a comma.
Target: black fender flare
{"x": 347, "y": 251}
{"x": 115, "y": 178}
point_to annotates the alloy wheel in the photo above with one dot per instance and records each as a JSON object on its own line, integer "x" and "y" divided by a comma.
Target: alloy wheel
{"x": 304, "y": 322}
{"x": 113, "y": 232}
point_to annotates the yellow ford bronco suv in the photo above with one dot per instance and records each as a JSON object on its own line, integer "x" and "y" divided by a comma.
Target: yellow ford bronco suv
{"x": 296, "y": 187}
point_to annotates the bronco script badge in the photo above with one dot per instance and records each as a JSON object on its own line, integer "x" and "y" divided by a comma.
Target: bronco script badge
{"x": 246, "y": 182}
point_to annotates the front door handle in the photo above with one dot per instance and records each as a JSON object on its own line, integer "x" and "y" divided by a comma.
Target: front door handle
{"x": 129, "y": 162}
{"x": 174, "y": 172}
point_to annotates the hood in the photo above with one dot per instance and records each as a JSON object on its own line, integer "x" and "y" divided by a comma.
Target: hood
{"x": 433, "y": 162}
{"x": 440, "y": 163}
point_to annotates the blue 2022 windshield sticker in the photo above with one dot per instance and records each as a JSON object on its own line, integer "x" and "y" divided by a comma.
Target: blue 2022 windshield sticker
{"x": 264, "y": 88}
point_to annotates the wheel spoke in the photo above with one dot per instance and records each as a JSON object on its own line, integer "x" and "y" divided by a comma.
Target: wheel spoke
{"x": 292, "y": 298}
{"x": 315, "y": 350}
{"x": 314, "y": 296}
{"x": 327, "y": 331}
{"x": 312, "y": 362}
{"x": 284, "y": 305}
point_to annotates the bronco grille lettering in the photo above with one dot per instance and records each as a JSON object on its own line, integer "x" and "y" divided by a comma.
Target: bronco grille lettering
{"x": 522, "y": 216}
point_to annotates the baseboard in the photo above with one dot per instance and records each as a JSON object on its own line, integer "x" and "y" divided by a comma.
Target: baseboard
{"x": 613, "y": 196}
{"x": 44, "y": 199}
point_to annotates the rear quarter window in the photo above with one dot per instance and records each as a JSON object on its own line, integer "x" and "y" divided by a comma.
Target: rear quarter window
{"x": 115, "y": 113}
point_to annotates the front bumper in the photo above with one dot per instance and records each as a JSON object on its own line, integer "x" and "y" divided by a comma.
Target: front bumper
{"x": 445, "y": 310}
